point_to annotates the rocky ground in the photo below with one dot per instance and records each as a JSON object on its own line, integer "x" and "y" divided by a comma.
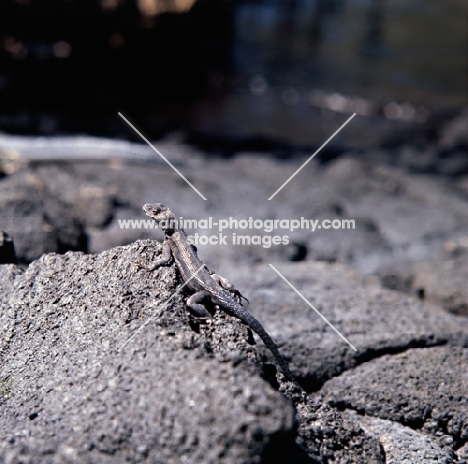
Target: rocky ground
{"x": 184, "y": 391}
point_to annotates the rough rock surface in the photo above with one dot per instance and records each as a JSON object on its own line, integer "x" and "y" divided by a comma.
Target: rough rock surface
{"x": 329, "y": 437}
{"x": 38, "y": 220}
{"x": 66, "y": 388}
{"x": 376, "y": 321}
{"x": 402, "y": 444}
{"x": 178, "y": 391}
{"x": 403, "y": 389}
{"x": 204, "y": 392}
{"x": 389, "y": 330}
{"x": 64, "y": 318}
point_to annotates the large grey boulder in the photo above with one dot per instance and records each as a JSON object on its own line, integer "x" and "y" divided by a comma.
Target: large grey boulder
{"x": 423, "y": 389}
{"x": 179, "y": 391}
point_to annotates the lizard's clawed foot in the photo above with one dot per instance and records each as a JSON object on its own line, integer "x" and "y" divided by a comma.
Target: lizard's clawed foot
{"x": 228, "y": 286}
{"x": 238, "y": 295}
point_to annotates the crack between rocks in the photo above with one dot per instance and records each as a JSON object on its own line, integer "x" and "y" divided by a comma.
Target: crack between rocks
{"x": 314, "y": 382}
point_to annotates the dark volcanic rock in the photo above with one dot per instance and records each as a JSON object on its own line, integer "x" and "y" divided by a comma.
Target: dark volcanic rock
{"x": 178, "y": 391}
{"x": 329, "y": 437}
{"x": 425, "y": 389}
{"x": 375, "y": 320}
{"x": 442, "y": 280}
{"x": 68, "y": 392}
{"x": 402, "y": 444}
{"x": 180, "y": 387}
{"x": 88, "y": 200}
{"x": 384, "y": 326}
{"x": 37, "y": 220}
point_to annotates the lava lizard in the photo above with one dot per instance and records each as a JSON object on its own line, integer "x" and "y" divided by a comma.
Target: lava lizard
{"x": 205, "y": 284}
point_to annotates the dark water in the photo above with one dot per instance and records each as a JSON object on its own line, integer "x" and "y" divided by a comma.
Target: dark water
{"x": 411, "y": 50}
{"x": 68, "y": 67}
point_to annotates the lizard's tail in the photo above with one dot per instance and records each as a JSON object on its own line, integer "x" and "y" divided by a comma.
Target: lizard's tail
{"x": 257, "y": 327}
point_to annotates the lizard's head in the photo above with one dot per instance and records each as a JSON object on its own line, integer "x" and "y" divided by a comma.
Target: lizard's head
{"x": 159, "y": 213}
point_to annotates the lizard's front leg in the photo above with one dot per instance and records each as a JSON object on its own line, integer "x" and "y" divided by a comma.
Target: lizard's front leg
{"x": 165, "y": 258}
{"x": 195, "y": 306}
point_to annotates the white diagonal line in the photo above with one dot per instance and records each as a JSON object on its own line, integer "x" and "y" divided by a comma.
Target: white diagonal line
{"x": 336, "y": 132}
{"x": 315, "y": 309}
{"x": 160, "y": 154}
{"x": 160, "y": 308}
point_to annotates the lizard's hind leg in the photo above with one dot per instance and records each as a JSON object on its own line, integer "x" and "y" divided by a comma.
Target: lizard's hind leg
{"x": 227, "y": 285}
{"x": 196, "y": 308}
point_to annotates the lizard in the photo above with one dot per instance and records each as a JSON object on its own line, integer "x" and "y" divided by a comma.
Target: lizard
{"x": 205, "y": 285}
